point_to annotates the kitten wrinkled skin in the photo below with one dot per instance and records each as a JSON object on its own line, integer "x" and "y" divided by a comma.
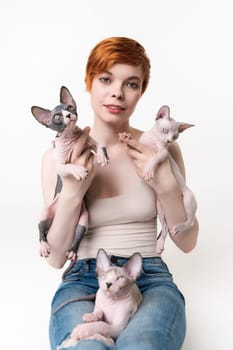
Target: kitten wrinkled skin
{"x": 164, "y": 132}
{"x": 117, "y": 300}
{"x": 62, "y": 119}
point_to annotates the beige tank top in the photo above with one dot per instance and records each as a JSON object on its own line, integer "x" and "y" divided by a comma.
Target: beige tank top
{"x": 122, "y": 225}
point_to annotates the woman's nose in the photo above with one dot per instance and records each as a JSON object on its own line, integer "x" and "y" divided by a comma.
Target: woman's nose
{"x": 118, "y": 94}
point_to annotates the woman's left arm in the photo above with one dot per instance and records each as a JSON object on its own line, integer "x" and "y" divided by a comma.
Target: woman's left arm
{"x": 167, "y": 189}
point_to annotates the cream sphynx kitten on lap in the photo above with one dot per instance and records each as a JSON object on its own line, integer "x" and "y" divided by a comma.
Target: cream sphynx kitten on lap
{"x": 117, "y": 300}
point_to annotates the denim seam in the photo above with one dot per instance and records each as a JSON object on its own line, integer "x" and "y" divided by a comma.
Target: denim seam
{"x": 90, "y": 297}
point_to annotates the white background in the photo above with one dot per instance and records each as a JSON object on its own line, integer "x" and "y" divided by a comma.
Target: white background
{"x": 45, "y": 44}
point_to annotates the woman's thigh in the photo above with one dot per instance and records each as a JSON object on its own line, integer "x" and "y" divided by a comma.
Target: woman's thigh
{"x": 159, "y": 323}
{"x": 67, "y": 309}
{"x": 66, "y": 313}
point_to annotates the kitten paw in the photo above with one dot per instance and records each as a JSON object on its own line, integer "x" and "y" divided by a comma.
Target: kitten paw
{"x": 148, "y": 175}
{"x": 176, "y": 229}
{"x": 44, "y": 249}
{"x": 72, "y": 256}
{"x": 160, "y": 246}
{"x": 124, "y": 136}
{"x": 81, "y": 331}
{"x": 102, "y": 156}
{"x": 80, "y": 173}
{"x": 92, "y": 317}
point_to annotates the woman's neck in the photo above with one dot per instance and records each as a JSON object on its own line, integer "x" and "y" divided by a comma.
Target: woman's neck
{"x": 108, "y": 133}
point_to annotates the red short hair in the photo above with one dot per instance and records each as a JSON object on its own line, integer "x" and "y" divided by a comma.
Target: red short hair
{"x": 115, "y": 50}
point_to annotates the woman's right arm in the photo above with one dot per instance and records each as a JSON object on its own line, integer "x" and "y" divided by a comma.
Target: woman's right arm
{"x": 61, "y": 232}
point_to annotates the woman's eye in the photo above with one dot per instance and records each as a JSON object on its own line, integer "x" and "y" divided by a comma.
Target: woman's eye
{"x": 165, "y": 131}
{"x": 105, "y": 80}
{"x": 134, "y": 86}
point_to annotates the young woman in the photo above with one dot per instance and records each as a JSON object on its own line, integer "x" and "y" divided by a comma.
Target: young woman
{"x": 121, "y": 206}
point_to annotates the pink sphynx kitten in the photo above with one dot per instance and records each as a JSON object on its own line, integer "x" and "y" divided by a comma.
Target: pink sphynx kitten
{"x": 62, "y": 119}
{"x": 165, "y": 131}
{"x": 117, "y": 300}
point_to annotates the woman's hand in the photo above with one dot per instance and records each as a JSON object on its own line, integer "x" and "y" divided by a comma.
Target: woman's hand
{"x": 141, "y": 154}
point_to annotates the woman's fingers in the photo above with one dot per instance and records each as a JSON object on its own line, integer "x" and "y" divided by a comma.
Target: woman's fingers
{"x": 133, "y": 153}
{"x": 138, "y": 151}
{"x": 134, "y": 144}
{"x": 84, "y": 157}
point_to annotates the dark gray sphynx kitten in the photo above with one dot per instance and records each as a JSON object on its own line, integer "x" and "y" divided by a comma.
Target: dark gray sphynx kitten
{"x": 62, "y": 119}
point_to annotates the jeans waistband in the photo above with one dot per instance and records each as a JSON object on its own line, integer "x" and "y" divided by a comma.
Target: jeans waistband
{"x": 120, "y": 260}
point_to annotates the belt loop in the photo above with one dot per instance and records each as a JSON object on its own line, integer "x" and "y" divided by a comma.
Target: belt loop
{"x": 113, "y": 259}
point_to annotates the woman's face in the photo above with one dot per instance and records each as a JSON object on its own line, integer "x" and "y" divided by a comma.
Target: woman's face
{"x": 115, "y": 93}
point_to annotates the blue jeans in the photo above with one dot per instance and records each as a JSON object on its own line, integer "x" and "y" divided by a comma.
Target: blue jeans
{"x": 159, "y": 323}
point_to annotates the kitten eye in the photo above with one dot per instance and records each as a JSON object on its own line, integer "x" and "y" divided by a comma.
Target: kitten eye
{"x": 134, "y": 86}
{"x": 119, "y": 278}
{"x": 70, "y": 108}
{"x": 57, "y": 117}
{"x": 165, "y": 131}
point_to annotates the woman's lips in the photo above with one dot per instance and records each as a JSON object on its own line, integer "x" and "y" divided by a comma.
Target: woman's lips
{"x": 114, "y": 108}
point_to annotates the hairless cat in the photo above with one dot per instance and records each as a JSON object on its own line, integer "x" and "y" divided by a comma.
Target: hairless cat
{"x": 62, "y": 119}
{"x": 116, "y": 301}
{"x": 164, "y": 132}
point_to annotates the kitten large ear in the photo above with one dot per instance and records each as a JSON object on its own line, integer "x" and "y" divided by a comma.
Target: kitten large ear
{"x": 164, "y": 112}
{"x": 183, "y": 126}
{"x": 66, "y": 97}
{"x": 41, "y": 114}
{"x": 133, "y": 266}
{"x": 102, "y": 261}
